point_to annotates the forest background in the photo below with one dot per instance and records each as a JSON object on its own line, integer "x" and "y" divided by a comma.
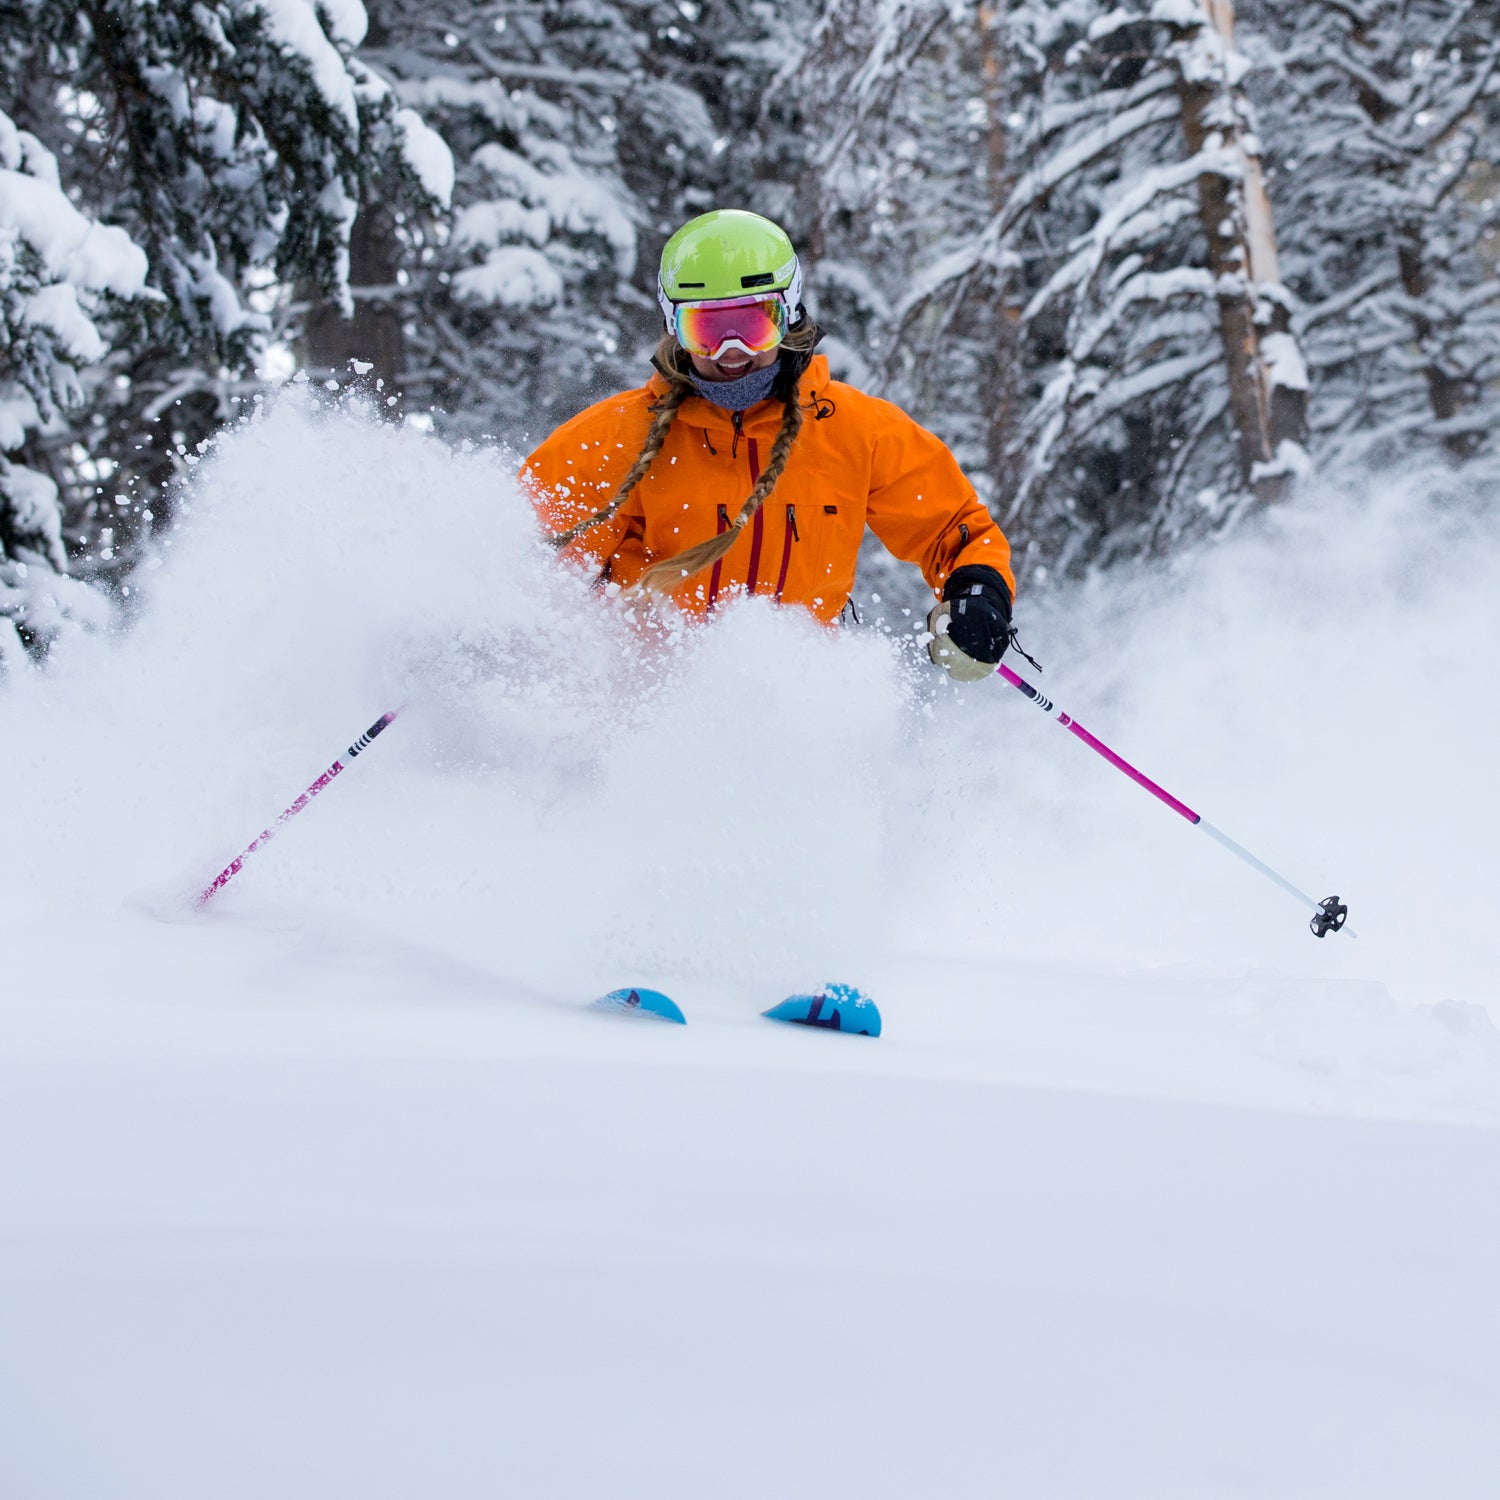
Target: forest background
{"x": 1144, "y": 267}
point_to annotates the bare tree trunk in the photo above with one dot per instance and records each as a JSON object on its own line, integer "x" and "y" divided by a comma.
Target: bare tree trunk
{"x": 992, "y": 74}
{"x": 1267, "y": 384}
{"x": 330, "y": 343}
{"x": 1447, "y": 393}
{"x": 373, "y": 335}
{"x": 999, "y": 392}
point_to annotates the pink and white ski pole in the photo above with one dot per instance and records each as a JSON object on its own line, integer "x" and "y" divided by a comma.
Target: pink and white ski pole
{"x": 234, "y": 866}
{"x": 1328, "y": 915}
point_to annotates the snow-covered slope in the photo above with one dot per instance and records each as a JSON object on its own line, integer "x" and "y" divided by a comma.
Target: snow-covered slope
{"x": 337, "y": 1188}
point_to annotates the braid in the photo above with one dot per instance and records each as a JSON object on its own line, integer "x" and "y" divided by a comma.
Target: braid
{"x": 671, "y": 572}
{"x": 663, "y": 413}
{"x": 670, "y": 360}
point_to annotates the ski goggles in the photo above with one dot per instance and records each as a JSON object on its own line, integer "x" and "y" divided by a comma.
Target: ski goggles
{"x": 753, "y": 324}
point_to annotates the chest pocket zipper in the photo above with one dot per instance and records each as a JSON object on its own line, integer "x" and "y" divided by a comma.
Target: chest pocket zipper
{"x": 718, "y": 572}
{"x": 786, "y": 548}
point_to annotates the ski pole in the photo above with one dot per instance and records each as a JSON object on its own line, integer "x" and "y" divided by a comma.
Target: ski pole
{"x": 1328, "y": 915}
{"x": 234, "y": 866}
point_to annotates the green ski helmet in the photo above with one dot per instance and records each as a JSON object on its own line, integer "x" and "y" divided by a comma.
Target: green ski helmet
{"x": 728, "y": 253}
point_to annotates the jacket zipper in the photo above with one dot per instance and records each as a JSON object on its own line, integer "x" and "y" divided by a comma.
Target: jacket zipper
{"x": 786, "y": 548}
{"x": 713, "y": 578}
{"x": 758, "y": 526}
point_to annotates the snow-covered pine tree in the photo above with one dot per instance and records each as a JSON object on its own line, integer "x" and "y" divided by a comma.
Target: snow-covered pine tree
{"x": 584, "y": 132}
{"x": 59, "y": 271}
{"x": 232, "y": 140}
{"x": 884, "y": 158}
{"x": 1154, "y": 318}
{"x": 885, "y": 147}
{"x": 1063, "y": 204}
{"x": 1385, "y": 131}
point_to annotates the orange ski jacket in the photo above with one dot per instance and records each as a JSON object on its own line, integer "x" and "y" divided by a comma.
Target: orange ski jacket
{"x": 857, "y": 461}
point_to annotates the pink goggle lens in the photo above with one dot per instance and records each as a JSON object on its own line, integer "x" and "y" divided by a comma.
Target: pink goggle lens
{"x": 705, "y": 328}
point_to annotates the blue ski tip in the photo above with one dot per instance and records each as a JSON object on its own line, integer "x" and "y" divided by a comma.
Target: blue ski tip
{"x": 642, "y": 1003}
{"x": 835, "y": 1007}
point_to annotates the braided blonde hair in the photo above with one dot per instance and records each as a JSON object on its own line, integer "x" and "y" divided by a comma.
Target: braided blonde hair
{"x": 663, "y": 411}
{"x": 672, "y": 360}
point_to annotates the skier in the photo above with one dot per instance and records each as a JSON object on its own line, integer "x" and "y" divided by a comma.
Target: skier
{"x": 742, "y": 467}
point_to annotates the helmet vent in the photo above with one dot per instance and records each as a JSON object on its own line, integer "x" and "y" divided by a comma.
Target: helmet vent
{"x": 696, "y": 286}
{"x": 762, "y": 278}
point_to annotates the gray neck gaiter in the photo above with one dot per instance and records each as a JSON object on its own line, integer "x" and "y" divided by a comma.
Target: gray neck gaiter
{"x": 737, "y": 395}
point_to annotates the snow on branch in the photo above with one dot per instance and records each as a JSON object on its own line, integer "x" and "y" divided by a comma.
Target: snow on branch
{"x": 56, "y": 264}
{"x": 427, "y": 154}
{"x": 1064, "y": 114}
{"x": 1128, "y": 391}
{"x": 1181, "y": 282}
{"x": 1041, "y": 180}
{"x": 71, "y": 247}
{"x": 59, "y": 270}
{"x": 296, "y": 27}
{"x": 574, "y": 201}
{"x": 1286, "y": 369}
{"x": 1029, "y": 191}
{"x": 1130, "y": 213}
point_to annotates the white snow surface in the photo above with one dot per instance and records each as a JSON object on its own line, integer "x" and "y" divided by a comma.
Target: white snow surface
{"x": 339, "y": 1187}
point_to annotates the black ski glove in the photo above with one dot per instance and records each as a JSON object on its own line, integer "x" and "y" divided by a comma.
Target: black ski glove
{"x": 979, "y": 612}
{"x": 976, "y": 612}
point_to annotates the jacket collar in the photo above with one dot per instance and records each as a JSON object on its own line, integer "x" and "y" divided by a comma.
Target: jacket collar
{"x": 763, "y": 420}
